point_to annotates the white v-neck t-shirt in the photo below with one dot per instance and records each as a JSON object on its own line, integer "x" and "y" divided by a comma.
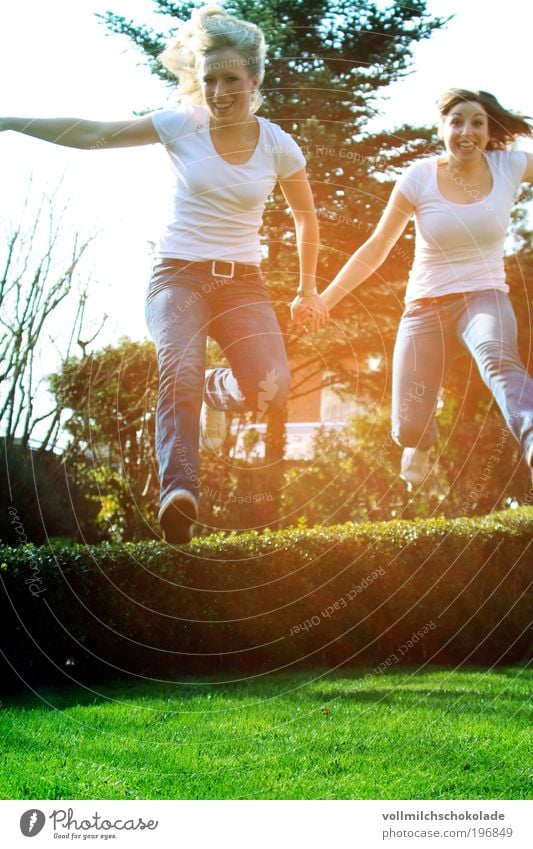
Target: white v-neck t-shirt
{"x": 216, "y": 207}
{"x": 460, "y": 247}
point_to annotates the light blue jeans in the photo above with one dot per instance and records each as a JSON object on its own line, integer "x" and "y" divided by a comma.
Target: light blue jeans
{"x": 183, "y": 308}
{"x": 430, "y": 336}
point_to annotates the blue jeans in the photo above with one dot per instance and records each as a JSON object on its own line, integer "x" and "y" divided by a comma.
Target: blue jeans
{"x": 430, "y": 336}
{"x": 183, "y": 308}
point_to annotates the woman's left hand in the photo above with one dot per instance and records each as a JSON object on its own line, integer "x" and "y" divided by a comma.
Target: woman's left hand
{"x": 309, "y": 312}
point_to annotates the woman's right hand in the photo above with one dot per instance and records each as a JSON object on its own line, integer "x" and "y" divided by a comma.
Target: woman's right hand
{"x": 309, "y": 312}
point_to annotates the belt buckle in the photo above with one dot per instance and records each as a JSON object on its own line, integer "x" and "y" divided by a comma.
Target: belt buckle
{"x": 215, "y": 273}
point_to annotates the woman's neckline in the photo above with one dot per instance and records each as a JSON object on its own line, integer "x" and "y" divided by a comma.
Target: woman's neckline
{"x": 470, "y": 203}
{"x": 220, "y": 156}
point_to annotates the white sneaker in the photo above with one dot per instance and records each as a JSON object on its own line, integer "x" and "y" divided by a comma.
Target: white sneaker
{"x": 178, "y": 512}
{"x": 529, "y": 460}
{"x": 213, "y": 426}
{"x": 415, "y": 466}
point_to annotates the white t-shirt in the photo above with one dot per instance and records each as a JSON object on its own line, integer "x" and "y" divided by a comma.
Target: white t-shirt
{"x": 459, "y": 247}
{"x": 217, "y": 208}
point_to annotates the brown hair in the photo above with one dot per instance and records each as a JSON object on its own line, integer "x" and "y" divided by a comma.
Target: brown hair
{"x": 504, "y": 126}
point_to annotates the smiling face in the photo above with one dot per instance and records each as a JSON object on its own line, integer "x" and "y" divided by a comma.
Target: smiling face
{"x": 227, "y": 87}
{"x": 465, "y": 131}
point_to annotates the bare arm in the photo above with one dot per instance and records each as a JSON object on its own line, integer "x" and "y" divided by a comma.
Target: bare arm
{"x": 375, "y": 250}
{"x": 297, "y": 193}
{"x": 86, "y": 135}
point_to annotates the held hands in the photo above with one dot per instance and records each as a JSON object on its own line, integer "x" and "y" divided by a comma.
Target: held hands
{"x": 309, "y": 312}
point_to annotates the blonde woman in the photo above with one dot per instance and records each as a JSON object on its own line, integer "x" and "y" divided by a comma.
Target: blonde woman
{"x": 225, "y": 161}
{"x": 457, "y": 295}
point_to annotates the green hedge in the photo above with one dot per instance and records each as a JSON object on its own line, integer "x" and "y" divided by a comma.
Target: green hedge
{"x": 437, "y": 591}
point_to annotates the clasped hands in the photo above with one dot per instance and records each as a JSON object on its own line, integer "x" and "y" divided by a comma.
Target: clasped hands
{"x": 309, "y": 312}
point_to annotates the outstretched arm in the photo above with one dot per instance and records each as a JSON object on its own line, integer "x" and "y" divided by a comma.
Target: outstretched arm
{"x": 375, "y": 250}
{"x": 307, "y": 308}
{"x": 86, "y": 135}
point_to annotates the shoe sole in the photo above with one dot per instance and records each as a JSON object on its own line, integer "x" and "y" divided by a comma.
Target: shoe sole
{"x": 177, "y": 520}
{"x": 415, "y": 477}
{"x": 214, "y": 443}
{"x": 414, "y": 480}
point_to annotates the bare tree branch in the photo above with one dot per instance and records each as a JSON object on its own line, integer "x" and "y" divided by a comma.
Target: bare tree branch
{"x": 36, "y": 280}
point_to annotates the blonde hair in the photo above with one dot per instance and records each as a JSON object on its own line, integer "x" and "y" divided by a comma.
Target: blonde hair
{"x": 211, "y": 28}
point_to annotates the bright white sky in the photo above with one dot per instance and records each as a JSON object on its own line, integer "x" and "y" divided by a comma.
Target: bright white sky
{"x": 56, "y": 59}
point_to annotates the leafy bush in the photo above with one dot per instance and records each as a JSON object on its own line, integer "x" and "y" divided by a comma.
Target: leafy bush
{"x": 354, "y": 474}
{"x": 385, "y": 593}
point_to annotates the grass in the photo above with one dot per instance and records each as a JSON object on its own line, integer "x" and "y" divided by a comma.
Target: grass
{"x": 308, "y": 735}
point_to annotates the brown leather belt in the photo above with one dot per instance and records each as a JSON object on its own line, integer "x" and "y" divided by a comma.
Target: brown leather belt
{"x": 437, "y": 300}
{"x": 214, "y": 267}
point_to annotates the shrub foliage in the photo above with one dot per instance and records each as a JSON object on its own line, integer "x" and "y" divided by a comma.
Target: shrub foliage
{"x": 416, "y": 592}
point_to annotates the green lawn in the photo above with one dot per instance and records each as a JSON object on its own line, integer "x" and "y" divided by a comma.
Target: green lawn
{"x": 313, "y": 735}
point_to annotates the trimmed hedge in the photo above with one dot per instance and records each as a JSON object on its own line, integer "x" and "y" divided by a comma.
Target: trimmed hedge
{"x": 437, "y": 591}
